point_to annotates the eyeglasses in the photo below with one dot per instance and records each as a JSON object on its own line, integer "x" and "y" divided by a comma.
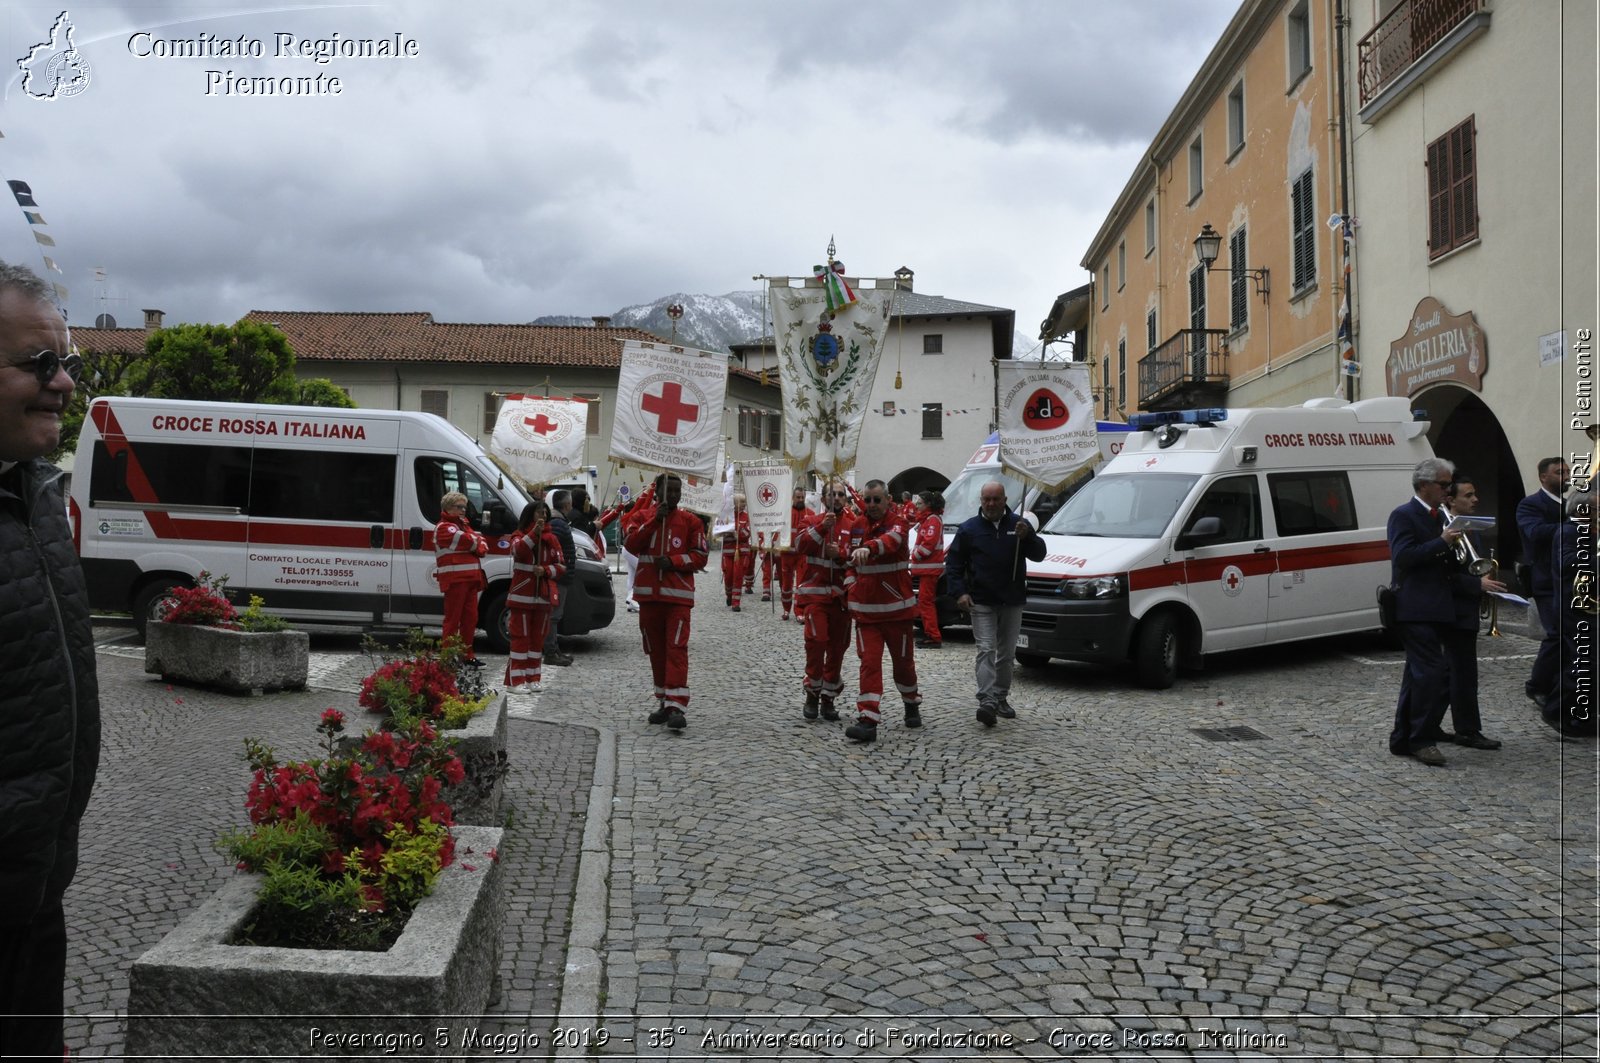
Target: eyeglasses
{"x": 1447, "y": 484}
{"x": 874, "y": 500}
{"x": 46, "y": 364}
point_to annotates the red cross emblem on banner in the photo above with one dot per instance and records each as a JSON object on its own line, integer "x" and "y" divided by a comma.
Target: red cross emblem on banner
{"x": 767, "y": 494}
{"x": 669, "y": 408}
{"x": 541, "y": 424}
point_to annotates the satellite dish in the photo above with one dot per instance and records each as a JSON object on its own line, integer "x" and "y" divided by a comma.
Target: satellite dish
{"x": 105, "y": 321}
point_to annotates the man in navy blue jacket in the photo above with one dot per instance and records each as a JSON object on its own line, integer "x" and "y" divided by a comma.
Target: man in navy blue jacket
{"x": 1423, "y": 566}
{"x": 1572, "y": 709}
{"x": 1538, "y": 516}
{"x": 986, "y": 569}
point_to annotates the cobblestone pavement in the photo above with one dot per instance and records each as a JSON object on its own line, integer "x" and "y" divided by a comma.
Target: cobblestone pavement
{"x": 1090, "y": 880}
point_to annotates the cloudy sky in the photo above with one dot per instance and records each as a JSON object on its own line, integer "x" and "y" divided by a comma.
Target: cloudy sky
{"x": 560, "y": 157}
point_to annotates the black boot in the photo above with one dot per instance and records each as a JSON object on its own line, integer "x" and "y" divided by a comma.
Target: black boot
{"x": 913, "y": 715}
{"x": 829, "y": 713}
{"x": 810, "y": 711}
{"x": 863, "y": 731}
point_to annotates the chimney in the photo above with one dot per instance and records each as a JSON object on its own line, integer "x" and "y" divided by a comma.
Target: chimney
{"x": 902, "y": 278}
{"x": 602, "y": 322}
{"x": 152, "y": 319}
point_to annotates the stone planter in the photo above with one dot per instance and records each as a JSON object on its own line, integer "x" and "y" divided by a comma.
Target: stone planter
{"x": 240, "y": 662}
{"x": 193, "y": 996}
{"x": 481, "y": 745}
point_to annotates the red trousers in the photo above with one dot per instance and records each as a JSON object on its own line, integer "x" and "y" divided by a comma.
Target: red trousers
{"x": 871, "y": 641}
{"x": 766, "y": 572}
{"x": 788, "y": 570}
{"x": 528, "y": 630}
{"x": 461, "y": 614}
{"x": 827, "y": 633}
{"x": 666, "y": 640}
{"x": 927, "y": 608}
{"x": 733, "y": 567}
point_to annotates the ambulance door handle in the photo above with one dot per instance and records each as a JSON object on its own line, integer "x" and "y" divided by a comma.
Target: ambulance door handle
{"x": 1263, "y": 548}
{"x": 375, "y": 538}
{"x": 414, "y": 539}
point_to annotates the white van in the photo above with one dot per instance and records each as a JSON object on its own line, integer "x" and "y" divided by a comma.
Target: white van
{"x": 961, "y": 498}
{"x": 327, "y": 514}
{"x": 1223, "y": 529}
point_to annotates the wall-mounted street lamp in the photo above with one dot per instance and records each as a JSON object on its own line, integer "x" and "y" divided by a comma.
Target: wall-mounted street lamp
{"x": 1209, "y": 244}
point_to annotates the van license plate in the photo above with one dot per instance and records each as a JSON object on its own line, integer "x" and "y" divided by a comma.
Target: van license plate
{"x": 1022, "y": 642}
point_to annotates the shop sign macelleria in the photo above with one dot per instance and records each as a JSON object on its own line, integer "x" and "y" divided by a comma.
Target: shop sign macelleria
{"x": 1438, "y": 348}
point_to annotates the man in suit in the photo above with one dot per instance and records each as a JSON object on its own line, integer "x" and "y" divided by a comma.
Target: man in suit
{"x": 1538, "y": 516}
{"x": 1422, "y": 561}
{"x": 1571, "y": 710}
{"x": 1461, "y": 637}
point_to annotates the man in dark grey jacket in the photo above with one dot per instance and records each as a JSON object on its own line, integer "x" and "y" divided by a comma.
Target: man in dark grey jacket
{"x": 560, "y": 509}
{"x": 49, "y": 702}
{"x": 986, "y": 569}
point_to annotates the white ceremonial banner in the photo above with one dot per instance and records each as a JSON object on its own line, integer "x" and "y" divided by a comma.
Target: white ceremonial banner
{"x": 1047, "y": 429}
{"x": 827, "y": 385}
{"x": 669, "y": 409}
{"x": 541, "y": 439}
{"x": 705, "y": 497}
{"x": 768, "y": 495}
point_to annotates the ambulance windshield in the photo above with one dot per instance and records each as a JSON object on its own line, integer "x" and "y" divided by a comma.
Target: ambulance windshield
{"x": 962, "y": 496}
{"x": 1130, "y": 506}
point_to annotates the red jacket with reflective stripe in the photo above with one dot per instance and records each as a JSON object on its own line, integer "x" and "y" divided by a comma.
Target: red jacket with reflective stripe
{"x": 456, "y": 549}
{"x": 822, "y": 577}
{"x": 927, "y": 552}
{"x": 535, "y": 567}
{"x": 680, "y": 537}
{"x": 879, "y": 589}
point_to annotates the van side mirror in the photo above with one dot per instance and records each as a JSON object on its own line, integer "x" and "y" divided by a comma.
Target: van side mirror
{"x": 1200, "y": 532}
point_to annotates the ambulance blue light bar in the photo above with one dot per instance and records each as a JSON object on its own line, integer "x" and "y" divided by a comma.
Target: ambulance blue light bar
{"x": 1144, "y": 422}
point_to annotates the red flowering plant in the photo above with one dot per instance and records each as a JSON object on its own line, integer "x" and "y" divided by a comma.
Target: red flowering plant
{"x": 427, "y": 682}
{"x": 204, "y": 603}
{"x": 348, "y": 844}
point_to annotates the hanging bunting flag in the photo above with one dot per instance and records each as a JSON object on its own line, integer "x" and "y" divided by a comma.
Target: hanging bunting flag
{"x": 50, "y": 263}
{"x": 33, "y": 217}
{"x": 47, "y": 241}
{"x": 769, "y": 494}
{"x": 539, "y": 438}
{"x": 827, "y": 376}
{"x": 23, "y": 193}
{"x": 1047, "y": 429}
{"x": 669, "y": 409}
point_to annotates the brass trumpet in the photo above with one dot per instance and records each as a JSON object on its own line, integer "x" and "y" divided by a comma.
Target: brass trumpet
{"x": 1467, "y": 556}
{"x": 1488, "y": 604}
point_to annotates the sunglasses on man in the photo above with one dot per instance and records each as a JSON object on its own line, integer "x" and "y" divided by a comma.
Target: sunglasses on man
{"x": 46, "y": 364}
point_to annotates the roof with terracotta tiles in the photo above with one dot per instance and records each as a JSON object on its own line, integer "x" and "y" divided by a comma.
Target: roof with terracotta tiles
{"x": 412, "y": 337}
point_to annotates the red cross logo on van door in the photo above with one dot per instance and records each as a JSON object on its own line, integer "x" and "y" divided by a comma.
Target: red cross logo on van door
{"x": 669, "y": 408}
{"x": 1232, "y": 581}
{"x": 541, "y": 424}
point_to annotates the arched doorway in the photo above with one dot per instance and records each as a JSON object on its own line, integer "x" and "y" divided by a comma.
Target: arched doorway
{"x": 1463, "y": 429}
{"x": 917, "y": 479}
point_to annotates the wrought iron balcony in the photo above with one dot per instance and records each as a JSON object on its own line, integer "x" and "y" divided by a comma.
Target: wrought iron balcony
{"x": 1190, "y": 369}
{"x": 1404, "y": 36}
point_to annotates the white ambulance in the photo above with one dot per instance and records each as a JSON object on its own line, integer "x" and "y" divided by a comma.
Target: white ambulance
{"x": 1224, "y": 529}
{"x": 327, "y": 514}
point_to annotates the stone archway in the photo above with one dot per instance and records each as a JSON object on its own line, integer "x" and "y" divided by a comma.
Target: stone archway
{"x": 917, "y": 479}
{"x": 1465, "y": 430}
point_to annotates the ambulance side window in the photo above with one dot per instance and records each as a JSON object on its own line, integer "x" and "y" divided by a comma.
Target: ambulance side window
{"x": 1236, "y": 502}
{"x": 1304, "y": 503}
{"x": 171, "y": 474}
{"x": 322, "y": 486}
{"x": 436, "y": 477}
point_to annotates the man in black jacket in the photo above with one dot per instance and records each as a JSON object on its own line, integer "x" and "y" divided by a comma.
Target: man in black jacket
{"x": 986, "y": 569}
{"x": 560, "y": 510}
{"x": 1538, "y": 516}
{"x": 49, "y": 704}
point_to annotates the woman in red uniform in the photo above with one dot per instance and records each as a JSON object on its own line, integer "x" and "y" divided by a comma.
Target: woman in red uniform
{"x": 536, "y": 565}
{"x": 927, "y": 565}
{"x": 456, "y": 548}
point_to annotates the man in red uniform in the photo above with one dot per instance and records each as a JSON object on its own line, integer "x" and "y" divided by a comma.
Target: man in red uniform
{"x": 881, "y": 604}
{"x": 927, "y": 565}
{"x": 788, "y": 561}
{"x": 736, "y": 555}
{"x": 671, "y": 546}
{"x": 823, "y": 545}
{"x": 456, "y": 549}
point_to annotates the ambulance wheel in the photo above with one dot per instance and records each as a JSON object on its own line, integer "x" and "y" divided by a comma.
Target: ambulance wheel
{"x": 1032, "y": 660}
{"x": 1157, "y": 652}
{"x": 148, "y": 597}
{"x": 495, "y": 619}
